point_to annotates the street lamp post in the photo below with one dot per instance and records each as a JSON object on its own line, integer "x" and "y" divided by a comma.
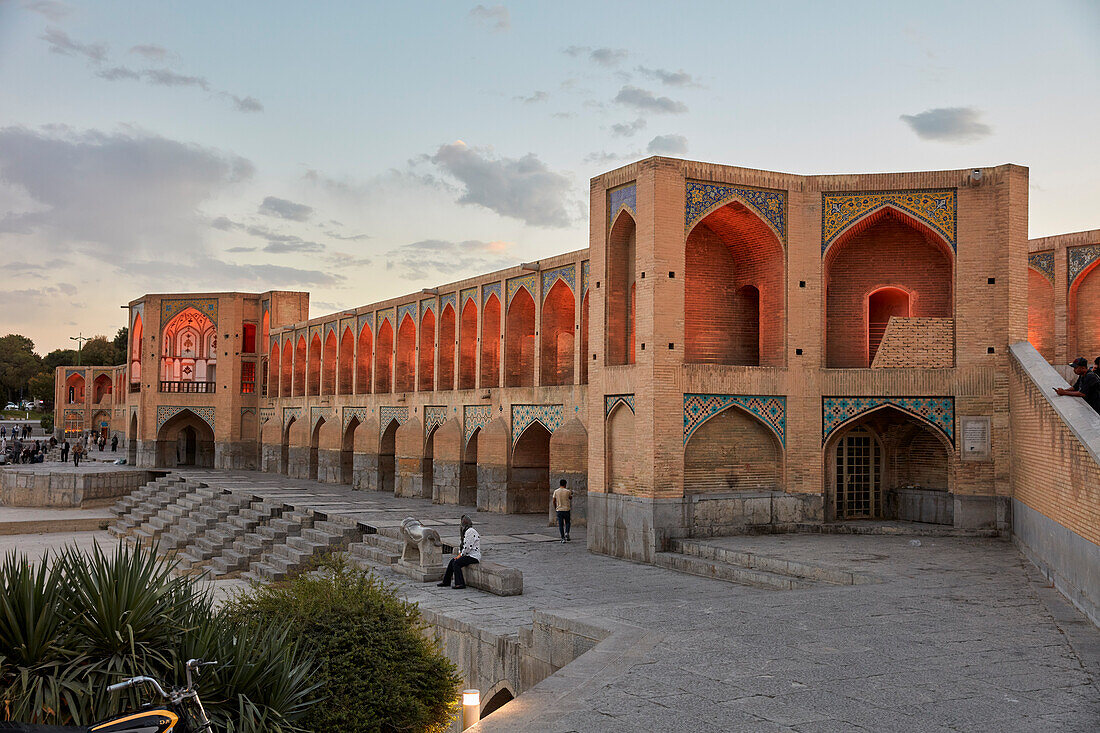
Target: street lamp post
{"x": 79, "y": 339}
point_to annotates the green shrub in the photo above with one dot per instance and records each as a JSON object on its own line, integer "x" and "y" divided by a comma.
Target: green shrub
{"x": 47, "y": 424}
{"x": 377, "y": 669}
{"x": 78, "y": 622}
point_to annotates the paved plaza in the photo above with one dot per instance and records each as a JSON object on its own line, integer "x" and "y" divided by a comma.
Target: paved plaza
{"x": 951, "y": 634}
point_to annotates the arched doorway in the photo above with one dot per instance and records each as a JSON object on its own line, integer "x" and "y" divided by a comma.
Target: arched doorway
{"x": 556, "y": 353}
{"x": 888, "y": 464}
{"x": 427, "y": 466}
{"x": 347, "y": 452}
{"x": 328, "y": 365}
{"x": 387, "y": 458}
{"x": 314, "y": 444}
{"x": 314, "y": 374}
{"x": 284, "y": 449}
{"x": 427, "y": 352}
{"x": 622, "y": 450}
{"x": 882, "y": 305}
{"x": 405, "y": 371}
{"x": 447, "y": 344}
{"x": 131, "y": 443}
{"x": 135, "y": 351}
{"x": 519, "y": 351}
{"x": 300, "y": 367}
{"x": 185, "y": 439}
{"x": 1083, "y": 314}
{"x": 467, "y": 347}
{"x": 347, "y": 363}
{"x": 490, "y": 342}
{"x": 102, "y": 389}
{"x": 467, "y": 480}
{"x": 74, "y": 389}
{"x": 529, "y": 472}
{"x": 363, "y": 360}
{"x": 498, "y": 700}
{"x": 383, "y": 358}
{"x": 286, "y": 380}
{"x": 733, "y": 451}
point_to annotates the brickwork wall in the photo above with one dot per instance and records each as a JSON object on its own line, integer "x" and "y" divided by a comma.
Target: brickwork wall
{"x": 732, "y": 451}
{"x": 313, "y": 376}
{"x": 1085, "y": 306}
{"x": 447, "y": 346}
{"x": 426, "y": 368}
{"x": 383, "y": 359}
{"x": 621, "y": 446}
{"x": 556, "y": 336}
{"x": 363, "y": 361}
{"x": 405, "y": 364}
{"x": 328, "y": 374}
{"x": 917, "y": 342}
{"x": 490, "y": 343}
{"x": 621, "y": 264}
{"x": 467, "y": 348}
{"x": 889, "y": 253}
{"x": 519, "y": 345}
{"x": 347, "y": 363}
{"x": 1040, "y": 314}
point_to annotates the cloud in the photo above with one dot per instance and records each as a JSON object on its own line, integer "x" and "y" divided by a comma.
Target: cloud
{"x": 346, "y": 237}
{"x": 628, "y": 129}
{"x": 116, "y": 194}
{"x": 496, "y": 17}
{"x": 668, "y": 145}
{"x": 242, "y": 249}
{"x": 521, "y": 188}
{"x": 643, "y": 99}
{"x": 948, "y": 124}
{"x": 534, "y": 98}
{"x": 284, "y": 209}
{"x": 298, "y": 245}
{"x": 603, "y": 56}
{"x": 49, "y": 9}
{"x": 118, "y": 73}
{"x": 246, "y": 104}
{"x": 150, "y": 51}
{"x": 434, "y": 258}
{"x": 168, "y": 78}
{"x": 216, "y": 275}
{"x": 60, "y": 42}
{"x": 669, "y": 78}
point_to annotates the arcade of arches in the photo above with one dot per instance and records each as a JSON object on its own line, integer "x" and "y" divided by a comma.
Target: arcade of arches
{"x": 733, "y": 349}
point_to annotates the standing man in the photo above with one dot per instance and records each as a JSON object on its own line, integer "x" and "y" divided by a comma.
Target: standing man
{"x": 1086, "y": 386}
{"x": 468, "y": 554}
{"x": 78, "y": 451}
{"x": 65, "y": 451}
{"x": 114, "y": 443}
{"x": 563, "y": 503}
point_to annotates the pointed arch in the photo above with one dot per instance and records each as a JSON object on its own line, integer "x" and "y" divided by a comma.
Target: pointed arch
{"x": 185, "y": 439}
{"x": 274, "y": 369}
{"x": 102, "y": 388}
{"x": 621, "y": 268}
{"x": 733, "y": 450}
{"x": 557, "y": 335}
{"x": 447, "y": 344}
{"x": 383, "y": 359}
{"x": 467, "y": 347}
{"x": 621, "y": 450}
{"x": 286, "y": 380}
{"x": 490, "y": 342}
{"x": 347, "y": 452}
{"x": 387, "y": 457}
{"x": 314, "y": 449}
{"x": 135, "y": 350}
{"x": 300, "y": 359}
{"x": 405, "y": 371}
{"x": 74, "y": 389}
{"x": 328, "y": 365}
{"x": 426, "y": 372}
{"x": 363, "y": 360}
{"x": 734, "y": 278}
{"x": 313, "y": 374}
{"x": 519, "y": 351}
{"x": 189, "y": 350}
{"x": 529, "y": 471}
{"x": 346, "y": 361}
{"x": 1083, "y": 313}
{"x": 584, "y": 340}
{"x": 885, "y": 248}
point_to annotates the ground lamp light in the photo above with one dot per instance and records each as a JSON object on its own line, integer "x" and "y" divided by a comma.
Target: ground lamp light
{"x": 471, "y": 707}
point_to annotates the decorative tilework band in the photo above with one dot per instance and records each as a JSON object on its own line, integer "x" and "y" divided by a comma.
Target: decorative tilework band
{"x": 523, "y": 416}
{"x": 611, "y": 400}
{"x": 1079, "y": 259}
{"x": 524, "y": 282}
{"x": 409, "y": 309}
{"x": 938, "y": 209}
{"x": 385, "y": 315}
{"x": 290, "y": 414}
{"x": 772, "y": 411}
{"x": 361, "y": 414}
{"x": 488, "y": 290}
{"x": 624, "y": 197}
{"x": 170, "y": 308}
{"x": 167, "y": 412}
{"x": 389, "y": 414}
{"x": 567, "y": 274}
{"x": 434, "y": 416}
{"x": 367, "y": 319}
{"x": 70, "y": 372}
{"x": 450, "y": 299}
{"x": 266, "y": 414}
{"x": 316, "y": 413}
{"x": 427, "y": 305}
{"x": 473, "y": 418}
{"x": 703, "y": 198}
{"x": 1042, "y": 262}
{"x": 584, "y": 277}
{"x": 937, "y": 412}
{"x": 469, "y": 294}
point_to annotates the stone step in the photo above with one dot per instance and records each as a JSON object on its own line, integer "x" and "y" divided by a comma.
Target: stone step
{"x": 276, "y": 533}
{"x": 253, "y": 543}
{"x": 373, "y": 554}
{"x": 777, "y": 565}
{"x": 297, "y": 547}
{"x": 230, "y": 561}
{"x": 727, "y": 572}
{"x": 262, "y": 571}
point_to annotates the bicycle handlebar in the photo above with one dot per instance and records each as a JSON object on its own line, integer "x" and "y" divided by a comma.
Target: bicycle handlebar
{"x": 137, "y": 680}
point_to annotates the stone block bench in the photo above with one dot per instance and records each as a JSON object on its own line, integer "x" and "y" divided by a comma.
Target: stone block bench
{"x": 499, "y": 580}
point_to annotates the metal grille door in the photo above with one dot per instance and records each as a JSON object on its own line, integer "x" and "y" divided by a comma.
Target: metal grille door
{"x": 857, "y": 475}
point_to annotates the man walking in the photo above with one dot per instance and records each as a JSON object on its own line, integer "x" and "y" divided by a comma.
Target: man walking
{"x": 78, "y": 451}
{"x": 563, "y": 502}
{"x": 65, "y": 451}
{"x": 468, "y": 554}
{"x": 1086, "y": 386}
{"x": 114, "y": 443}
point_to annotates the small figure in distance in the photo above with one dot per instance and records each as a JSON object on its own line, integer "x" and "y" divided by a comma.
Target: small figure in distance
{"x": 468, "y": 554}
{"x": 1087, "y": 385}
{"x": 563, "y": 502}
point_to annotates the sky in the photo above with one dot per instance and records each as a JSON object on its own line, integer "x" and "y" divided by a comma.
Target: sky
{"x": 364, "y": 150}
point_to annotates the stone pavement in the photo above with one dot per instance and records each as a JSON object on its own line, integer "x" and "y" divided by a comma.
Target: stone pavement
{"x": 958, "y": 634}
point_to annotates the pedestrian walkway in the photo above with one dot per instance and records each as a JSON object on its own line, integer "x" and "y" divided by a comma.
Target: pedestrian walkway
{"x": 949, "y": 634}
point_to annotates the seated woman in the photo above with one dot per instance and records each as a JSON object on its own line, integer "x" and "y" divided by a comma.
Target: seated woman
{"x": 469, "y": 553}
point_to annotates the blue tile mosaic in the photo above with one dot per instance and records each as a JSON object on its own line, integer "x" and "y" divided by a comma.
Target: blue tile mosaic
{"x": 936, "y": 208}
{"x": 703, "y": 198}
{"x": 772, "y": 411}
{"x": 938, "y": 412}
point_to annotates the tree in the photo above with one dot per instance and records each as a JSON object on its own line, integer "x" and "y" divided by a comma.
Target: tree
{"x": 41, "y": 386}
{"x": 122, "y": 344}
{"x": 18, "y": 363}
{"x": 59, "y": 357}
{"x": 98, "y": 352}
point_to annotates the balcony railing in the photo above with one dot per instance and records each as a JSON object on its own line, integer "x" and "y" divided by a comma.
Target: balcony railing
{"x": 188, "y": 387}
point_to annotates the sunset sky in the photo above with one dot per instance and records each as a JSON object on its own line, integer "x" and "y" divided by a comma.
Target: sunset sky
{"x": 362, "y": 150}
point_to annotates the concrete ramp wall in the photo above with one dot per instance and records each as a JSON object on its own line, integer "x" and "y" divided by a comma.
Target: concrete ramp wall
{"x": 1055, "y": 479}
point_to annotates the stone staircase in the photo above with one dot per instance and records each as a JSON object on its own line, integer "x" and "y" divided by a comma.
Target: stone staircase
{"x": 226, "y": 534}
{"x": 746, "y": 568}
{"x": 297, "y": 553}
